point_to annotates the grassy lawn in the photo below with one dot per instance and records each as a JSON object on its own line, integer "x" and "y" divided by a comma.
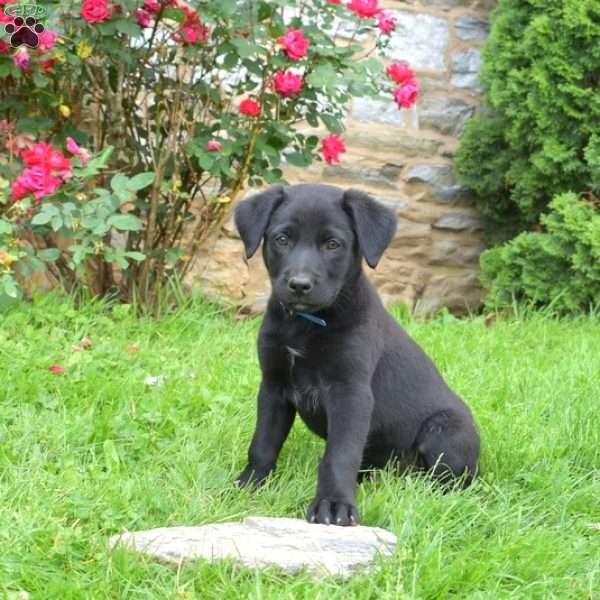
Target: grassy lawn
{"x": 94, "y": 451}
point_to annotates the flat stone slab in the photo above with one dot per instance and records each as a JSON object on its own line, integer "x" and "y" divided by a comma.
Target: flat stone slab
{"x": 290, "y": 544}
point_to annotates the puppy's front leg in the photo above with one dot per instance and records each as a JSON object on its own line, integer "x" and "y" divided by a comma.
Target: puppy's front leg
{"x": 273, "y": 423}
{"x": 349, "y": 410}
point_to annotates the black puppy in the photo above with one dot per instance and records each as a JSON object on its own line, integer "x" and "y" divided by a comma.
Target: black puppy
{"x": 329, "y": 351}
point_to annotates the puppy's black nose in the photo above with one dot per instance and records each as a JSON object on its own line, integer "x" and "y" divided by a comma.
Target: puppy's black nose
{"x": 300, "y": 285}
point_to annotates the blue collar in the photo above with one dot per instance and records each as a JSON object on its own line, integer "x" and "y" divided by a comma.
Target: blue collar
{"x": 307, "y": 316}
{"x": 312, "y": 319}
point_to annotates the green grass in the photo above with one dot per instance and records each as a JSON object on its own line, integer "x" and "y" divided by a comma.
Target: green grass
{"x": 94, "y": 451}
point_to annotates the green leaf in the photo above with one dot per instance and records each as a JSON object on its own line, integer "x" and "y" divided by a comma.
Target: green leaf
{"x": 5, "y": 226}
{"x": 312, "y": 120}
{"x": 126, "y": 222}
{"x": 34, "y": 124}
{"x": 128, "y": 27}
{"x": 176, "y": 14}
{"x": 322, "y": 75}
{"x": 108, "y": 28}
{"x": 206, "y": 160}
{"x": 121, "y": 261}
{"x": 297, "y": 159}
{"x": 39, "y": 80}
{"x": 137, "y": 256}
{"x": 119, "y": 183}
{"x": 334, "y": 125}
{"x": 96, "y": 163}
{"x": 42, "y": 218}
{"x": 227, "y": 7}
{"x": 36, "y": 264}
{"x": 140, "y": 181}
{"x": 230, "y": 61}
{"x": 10, "y": 286}
{"x": 56, "y": 223}
{"x": 101, "y": 229}
{"x": 265, "y": 10}
{"x": 49, "y": 254}
{"x": 245, "y": 48}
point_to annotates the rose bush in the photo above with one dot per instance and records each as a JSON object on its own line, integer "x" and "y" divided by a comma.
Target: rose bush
{"x": 126, "y": 133}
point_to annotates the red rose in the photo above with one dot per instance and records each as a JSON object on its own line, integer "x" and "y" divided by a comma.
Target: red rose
{"x": 400, "y": 72}
{"x": 386, "y": 22}
{"x": 287, "y": 83}
{"x": 47, "y": 64}
{"x": 144, "y": 18}
{"x": 37, "y": 180}
{"x": 95, "y": 11}
{"x": 331, "y": 147}
{"x": 250, "y": 107}
{"x": 406, "y": 95}
{"x": 151, "y": 6}
{"x": 192, "y": 28}
{"x": 365, "y": 9}
{"x": 295, "y": 45}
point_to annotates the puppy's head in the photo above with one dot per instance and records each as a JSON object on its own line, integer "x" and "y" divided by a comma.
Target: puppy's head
{"x": 314, "y": 238}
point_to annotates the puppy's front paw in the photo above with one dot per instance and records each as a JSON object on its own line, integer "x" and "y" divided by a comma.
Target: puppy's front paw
{"x": 251, "y": 477}
{"x": 327, "y": 511}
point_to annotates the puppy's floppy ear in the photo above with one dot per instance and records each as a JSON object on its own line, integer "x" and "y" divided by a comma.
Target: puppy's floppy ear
{"x": 374, "y": 224}
{"x": 252, "y": 216}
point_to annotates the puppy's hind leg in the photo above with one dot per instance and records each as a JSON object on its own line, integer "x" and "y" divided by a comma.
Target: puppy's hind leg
{"x": 448, "y": 446}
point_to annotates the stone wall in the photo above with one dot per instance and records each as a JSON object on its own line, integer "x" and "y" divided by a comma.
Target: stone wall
{"x": 405, "y": 160}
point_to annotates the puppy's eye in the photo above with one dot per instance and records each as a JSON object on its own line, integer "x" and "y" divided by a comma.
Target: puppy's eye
{"x": 282, "y": 239}
{"x": 332, "y": 244}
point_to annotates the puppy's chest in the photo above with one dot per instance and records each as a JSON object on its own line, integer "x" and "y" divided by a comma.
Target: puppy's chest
{"x": 306, "y": 388}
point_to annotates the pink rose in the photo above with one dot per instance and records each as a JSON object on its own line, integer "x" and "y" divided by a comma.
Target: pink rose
{"x": 295, "y": 45}
{"x": 22, "y": 59}
{"x": 73, "y": 148}
{"x": 249, "y": 107}
{"x": 365, "y": 9}
{"x": 36, "y": 155}
{"x": 56, "y": 369}
{"x": 144, "y": 18}
{"x": 386, "y": 22}
{"x": 151, "y": 6}
{"x": 47, "y": 158}
{"x": 331, "y": 148}
{"x": 59, "y": 164}
{"x": 18, "y": 190}
{"x": 214, "y": 146}
{"x": 287, "y": 83}
{"x": 36, "y": 180}
{"x": 192, "y": 28}
{"x": 400, "y": 72}
{"x": 406, "y": 95}
{"x": 194, "y": 34}
{"x": 47, "y": 39}
{"x": 95, "y": 11}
